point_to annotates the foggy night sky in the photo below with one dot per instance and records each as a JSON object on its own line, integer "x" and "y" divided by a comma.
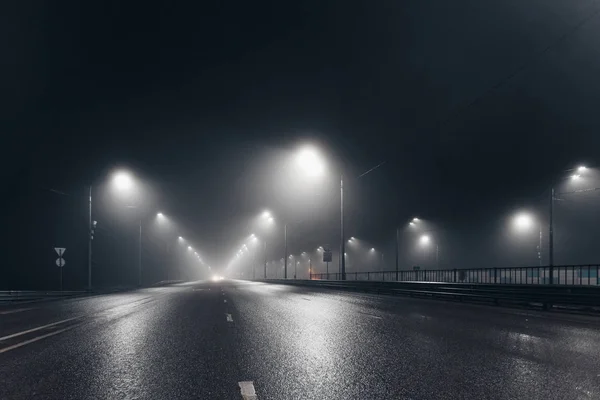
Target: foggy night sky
{"x": 476, "y": 107}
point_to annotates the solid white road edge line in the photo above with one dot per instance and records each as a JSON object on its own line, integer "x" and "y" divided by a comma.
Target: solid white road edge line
{"x": 247, "y": 389}
{"x": 35, "y": 339}
{"x": 37, "y": 329}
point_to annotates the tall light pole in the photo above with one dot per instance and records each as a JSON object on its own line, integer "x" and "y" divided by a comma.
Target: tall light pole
{"x": 576, "y": 176}
{"x": 124, "y": 182}
{"x": 265, "y": 272}
{"x": 313, "y": 165}
{"x": 412, "y": 223}
{"x": 90, "y": 238}
{"x": 342, "y": 241}
{"x": 285, "y": 257}
{"x": 140, "y": 255}
{"x": 397, "y": 252}
{"x": 551, "y": 238}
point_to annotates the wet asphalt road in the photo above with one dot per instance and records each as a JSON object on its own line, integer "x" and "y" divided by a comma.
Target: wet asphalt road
{"x": 198, "y": 341}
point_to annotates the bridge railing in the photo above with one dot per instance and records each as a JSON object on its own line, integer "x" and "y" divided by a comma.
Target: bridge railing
{"x": 580, "y": 275}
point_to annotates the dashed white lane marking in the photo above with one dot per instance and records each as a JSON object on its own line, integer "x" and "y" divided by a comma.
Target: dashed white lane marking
{"x": 37, "y": 329}
{"x": 14, "y": 311}
{"x": 35, "y": 339}
{"x": 197, "y": 290}
{"x": 229, "y": 319}
{"x": 370, "y": 315}
{"x": 247, "y": 389}
{"x": 224, "y": 301}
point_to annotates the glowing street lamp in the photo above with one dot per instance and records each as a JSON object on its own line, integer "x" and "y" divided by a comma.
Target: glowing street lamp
{"x": 523, "y": 221}
{"x": 425, "y": 242}
{"x": 123, "y": 180}
{"x": 309, "y": 160}
{"x": 312, "y": 163}
{"x": 574, "y": 177}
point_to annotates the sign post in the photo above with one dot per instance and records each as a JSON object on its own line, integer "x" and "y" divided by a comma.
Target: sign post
{"x": 60, "y": 263}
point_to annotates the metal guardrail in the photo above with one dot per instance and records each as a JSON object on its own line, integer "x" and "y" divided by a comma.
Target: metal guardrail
{"x": 580, "y": 275}
{"x": 32, "y": 295}
{"x": 540, "y": 296}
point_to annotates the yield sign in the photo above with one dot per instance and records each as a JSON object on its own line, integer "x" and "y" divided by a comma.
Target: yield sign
{"x": 59, "y": 250}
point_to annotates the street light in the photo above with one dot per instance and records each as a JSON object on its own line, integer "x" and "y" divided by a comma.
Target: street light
{"x": 123, "y": 180}
{"x": 309, "y": 160}
{"x": 425, "y": 241}
{"x": 580, "y": 169}
{"x": 523, "y": 221}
